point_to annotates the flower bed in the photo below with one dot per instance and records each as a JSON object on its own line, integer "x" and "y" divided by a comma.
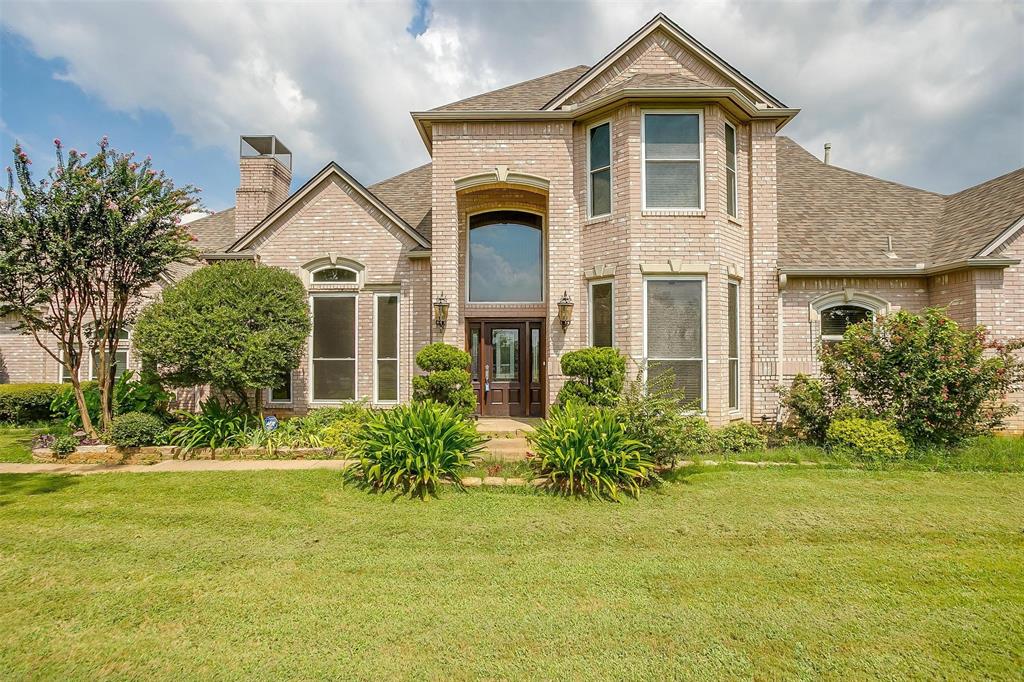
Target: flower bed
{"x": 109, "y": 454}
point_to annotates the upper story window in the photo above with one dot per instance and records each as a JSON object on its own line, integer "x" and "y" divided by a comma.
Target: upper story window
{"x": 673, "y": 153}
{"x": 335, "y": 275}
{"x": 506, "y": 259}
{"x": 731, "y": 194}
{"x": 837, "y": 319}
{"x": 599, "y": 160}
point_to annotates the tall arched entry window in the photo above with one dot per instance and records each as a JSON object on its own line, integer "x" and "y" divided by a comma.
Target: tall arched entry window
{"x": 506, "y": 257}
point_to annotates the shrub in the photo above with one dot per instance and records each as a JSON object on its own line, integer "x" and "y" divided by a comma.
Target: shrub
{"x": 64, "y": 445}
{"x": 412, "y": 448}
{"x": 214, "y": 426}
{"x": 236, "y": 326}
{"x": 144, "y": 394}
{"x": 873, "y": 440}
{"x": 21, "y": 403}
{"x": 809, "y": 406}
{"x": 65, "y": 407}
{"x": 135, "y": 429}
{"x": 585, "y": 451}
{"x": 937, "y": 382}
{"x": 738, "y": 438}
{"x": 447, "y": 381}
{"x": 652, "y": 413}
{"x": 597, "y": 376}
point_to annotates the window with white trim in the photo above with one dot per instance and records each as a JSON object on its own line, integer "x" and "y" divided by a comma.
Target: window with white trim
{"x": 385, "y": 330}
{"x": 602, "y": 307}
{"x": 837, "y": 319}
{"x": 731, "y": 193}
{"x": 674, "y": 332}
{"x": 120, "y": 358}
{"x": 673, "y": 152}
{"x": 599, "y": 163}
{"x": 333, "y": 356}
{"x": 281, "y": 391}
{"x": 734, "y": 345}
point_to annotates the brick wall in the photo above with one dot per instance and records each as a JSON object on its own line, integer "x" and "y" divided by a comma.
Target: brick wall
{"x": 263, "y": 187}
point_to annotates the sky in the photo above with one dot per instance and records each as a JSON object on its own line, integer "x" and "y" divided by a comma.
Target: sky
{"x": 929, "y": 94}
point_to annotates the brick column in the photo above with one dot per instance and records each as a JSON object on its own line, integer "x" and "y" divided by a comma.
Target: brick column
{"x": 763, "y": 308}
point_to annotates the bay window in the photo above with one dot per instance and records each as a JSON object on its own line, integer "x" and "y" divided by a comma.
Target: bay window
{"x": 673, "y": 153}
{"x": 333, "y": 356}
{"x": 674, "y": 333}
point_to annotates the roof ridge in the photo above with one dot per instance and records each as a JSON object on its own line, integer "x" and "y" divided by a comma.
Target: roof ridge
{"x": 985, "y": 182}
{"x": 509, "y": 86}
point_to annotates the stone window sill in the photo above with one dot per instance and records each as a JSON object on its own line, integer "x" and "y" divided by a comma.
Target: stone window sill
{"x": 598, "y": 220}
{"x": 673, "y": 214}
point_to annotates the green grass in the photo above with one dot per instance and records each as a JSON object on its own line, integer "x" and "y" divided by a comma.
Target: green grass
{"x": 496, "y": 467}
{"x": 16, "y": 441}
{"x": 764, "y": 574}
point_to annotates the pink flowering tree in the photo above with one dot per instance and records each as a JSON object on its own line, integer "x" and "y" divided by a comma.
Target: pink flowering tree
{"x": 938, "y": 382}
{"x": 81, "y": 247}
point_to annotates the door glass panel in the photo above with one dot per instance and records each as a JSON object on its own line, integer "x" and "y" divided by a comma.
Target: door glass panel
{"x": 474, "y": 352}
{"x": 505, "y": 343}
{"x": 535, "y": 356}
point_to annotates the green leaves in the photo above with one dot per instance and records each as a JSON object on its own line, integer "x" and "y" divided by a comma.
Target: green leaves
{"x": 413, "y": 448}
{"x": 214, "y": 426}
{"x": 447, "y": 381}
{"x": 585, "y": 451}
{"x": 598, "y": 375}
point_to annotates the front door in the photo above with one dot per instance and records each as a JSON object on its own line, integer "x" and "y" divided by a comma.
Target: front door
{"x": 507, "y": 367}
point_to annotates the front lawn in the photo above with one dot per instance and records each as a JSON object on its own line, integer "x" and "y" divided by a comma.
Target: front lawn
{"x": 16, "y": 441}
{"x": 791, "y": 573}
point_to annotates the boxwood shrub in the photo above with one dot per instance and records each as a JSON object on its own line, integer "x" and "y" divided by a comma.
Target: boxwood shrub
{"x": 21, "y": 403}
{"x": 447, "y": 380}
{"x": 740, "y": 437}
{"x": 135, "y": 429}
{"x": 875, "y": 441}
{"x": 596, "y": 376}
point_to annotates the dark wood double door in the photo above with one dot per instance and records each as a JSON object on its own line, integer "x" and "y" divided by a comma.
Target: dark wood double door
{"x": 508, "y": 366}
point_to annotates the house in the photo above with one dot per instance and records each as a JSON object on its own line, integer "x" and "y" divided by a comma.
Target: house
{"x": 654, "y": 191}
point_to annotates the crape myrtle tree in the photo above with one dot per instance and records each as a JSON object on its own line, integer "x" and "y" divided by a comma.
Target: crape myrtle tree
{"x": 80, "y": 248}
{"x": 236, "y": 326}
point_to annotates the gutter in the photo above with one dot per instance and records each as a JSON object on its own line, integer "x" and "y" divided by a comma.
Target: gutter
{"x": 1000, "y": 263}
{"x": 223, "y": 255}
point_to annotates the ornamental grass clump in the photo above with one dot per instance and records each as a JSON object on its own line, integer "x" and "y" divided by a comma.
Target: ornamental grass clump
{"x": 413, "y": 448}
{"x": 585, "y": 451}
{"x": 214, "y": 426}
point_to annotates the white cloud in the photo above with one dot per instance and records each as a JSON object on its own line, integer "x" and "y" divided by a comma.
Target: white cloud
{"x": 922, "y": 93}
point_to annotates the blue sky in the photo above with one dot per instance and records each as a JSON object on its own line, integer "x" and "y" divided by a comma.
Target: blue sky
{"x": 924, "y": 93}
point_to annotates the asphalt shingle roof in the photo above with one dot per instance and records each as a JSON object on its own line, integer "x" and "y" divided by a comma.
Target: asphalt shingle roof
{"x": 529, "y": 95}
{"x": 409, "y": 195}
{"x": 975, "y": 216}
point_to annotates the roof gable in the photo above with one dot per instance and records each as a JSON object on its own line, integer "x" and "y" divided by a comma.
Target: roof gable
{"x": 529, "y": 95}
{"x": 660, "y": 46}
{"x": 330, "y": 171}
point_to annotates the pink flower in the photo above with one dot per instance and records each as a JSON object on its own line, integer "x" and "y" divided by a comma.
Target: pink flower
{"x": 151, "y": 172}
{"x": 111, "y": 205}
{"x": 56, "y": 142}
{"x": 148, "y": 157}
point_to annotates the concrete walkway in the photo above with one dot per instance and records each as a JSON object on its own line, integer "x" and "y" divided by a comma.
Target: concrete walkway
{"x": 173, "y": 465}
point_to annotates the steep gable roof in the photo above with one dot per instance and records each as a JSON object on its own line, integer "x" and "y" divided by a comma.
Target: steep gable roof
{"x": 976, "y": 217}
{"x": 409, "y": 195}
{"x": 529, "y": 95}
{"x": 660, "y": 22}
{"x": 331, "y": 169}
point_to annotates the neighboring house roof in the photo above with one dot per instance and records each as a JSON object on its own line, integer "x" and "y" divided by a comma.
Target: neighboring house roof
{"x": 331, "y": 169}
{"x": 409, "y": 195}
{"x": 529, "y": 95}
{"x": 833, "y": 218}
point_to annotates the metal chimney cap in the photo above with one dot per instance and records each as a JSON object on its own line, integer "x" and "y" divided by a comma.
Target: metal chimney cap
{"x": 265, "y": 145}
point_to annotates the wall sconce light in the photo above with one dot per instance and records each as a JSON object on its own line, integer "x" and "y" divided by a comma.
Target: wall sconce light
{"x": 565, "y": 310}
{"x": 441, "y": 311}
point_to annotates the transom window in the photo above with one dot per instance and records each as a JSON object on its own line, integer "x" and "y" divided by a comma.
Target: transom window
{"x": 335, "y": 275}
{"x": 837, "y": 319}
{"x": 599, "y": 152}
{"x": 602, "y": 304}
{"x": 333, "y": 356}
{"x": 674, "y": 333}
{"x": 673, "y": 152}
{"x": 506, "y": 260}
{"x": 731, "y": 197}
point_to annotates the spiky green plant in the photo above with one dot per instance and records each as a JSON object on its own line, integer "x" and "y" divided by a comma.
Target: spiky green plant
{"x": 214, "y": 426}
{"x": 584, "y": 451}
{"x": 412, "y": 448}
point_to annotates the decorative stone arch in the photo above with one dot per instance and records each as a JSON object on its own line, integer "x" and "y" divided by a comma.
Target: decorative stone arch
{"x": 502, "y": 176}
{"x": 333, "y": 261}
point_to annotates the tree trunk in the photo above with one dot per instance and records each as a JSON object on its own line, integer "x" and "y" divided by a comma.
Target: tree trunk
{"x": 83, "y": 408}
{"x": 105, "y": 378}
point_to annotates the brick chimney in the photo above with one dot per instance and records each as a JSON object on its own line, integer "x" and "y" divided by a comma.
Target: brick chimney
{"x": 265, "y": 166}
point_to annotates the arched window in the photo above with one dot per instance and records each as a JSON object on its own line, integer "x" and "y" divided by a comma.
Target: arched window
{"x": 506, "y": 257}
{"x": 335, "y": 275}
{"x": 837, "y": 319}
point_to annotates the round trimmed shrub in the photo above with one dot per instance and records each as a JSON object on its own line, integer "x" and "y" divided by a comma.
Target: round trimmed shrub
{"x": 135, "y": 429}
{"x": 597, "y": 376}
{"x": 871, "y": 440}
{"x": 740, "y": 437}
{"x": 585, "y": 451}
{"x": 447, "y": 381}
